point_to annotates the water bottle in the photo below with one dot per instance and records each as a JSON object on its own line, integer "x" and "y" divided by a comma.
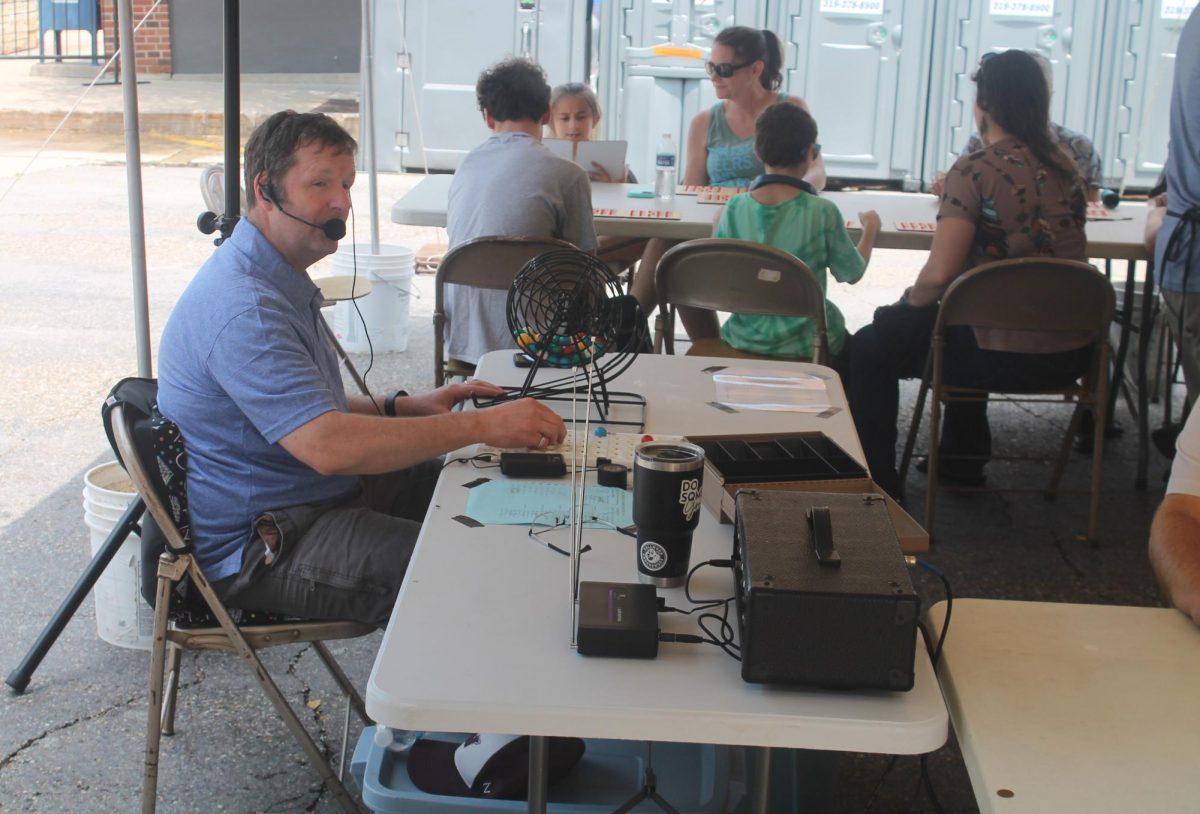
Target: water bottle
{"x": 395, "y": 740}
{"x": 664, "y": 171}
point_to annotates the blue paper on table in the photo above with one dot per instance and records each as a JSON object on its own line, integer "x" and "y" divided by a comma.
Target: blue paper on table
{"x": 521, "y": 502}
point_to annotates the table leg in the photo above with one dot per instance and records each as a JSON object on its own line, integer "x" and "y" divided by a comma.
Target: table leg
{"x": 762, "y": 782}
{"x": 1144, "y": 330}
{"x": 1117, "y": 382}
{"x": 537, "y": 774}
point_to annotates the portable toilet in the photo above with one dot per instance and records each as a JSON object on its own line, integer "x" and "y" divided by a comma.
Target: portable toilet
{"x": 425, "y": 111}
{"x": 1067, "y": 32}
{"x": 651, "y": 58}
{"x": 1135, "y": 88}
{"x": 862, "y": 67}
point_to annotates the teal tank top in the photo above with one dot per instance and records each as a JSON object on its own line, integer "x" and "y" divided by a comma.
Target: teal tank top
{"x": 731, "y": 160}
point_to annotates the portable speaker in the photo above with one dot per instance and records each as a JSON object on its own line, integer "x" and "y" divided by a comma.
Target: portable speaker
{"x": 823, "y": 593}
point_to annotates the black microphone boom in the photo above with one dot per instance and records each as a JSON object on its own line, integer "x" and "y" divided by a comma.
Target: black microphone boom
{"x": 334, "y": 228}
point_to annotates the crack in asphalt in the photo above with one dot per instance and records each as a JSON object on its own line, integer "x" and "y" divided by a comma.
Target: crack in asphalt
{"x": 11, "y": 756}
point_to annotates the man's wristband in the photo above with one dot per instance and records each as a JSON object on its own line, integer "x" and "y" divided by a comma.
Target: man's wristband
{"x": 389, "y": 403}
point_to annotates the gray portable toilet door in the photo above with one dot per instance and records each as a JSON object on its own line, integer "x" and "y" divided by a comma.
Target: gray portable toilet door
{"x": 844, "y": 62}
{"x": 451, "y": 42}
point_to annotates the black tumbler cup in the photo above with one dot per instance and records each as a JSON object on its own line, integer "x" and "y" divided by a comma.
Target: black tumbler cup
{"x": 666, "y": 509}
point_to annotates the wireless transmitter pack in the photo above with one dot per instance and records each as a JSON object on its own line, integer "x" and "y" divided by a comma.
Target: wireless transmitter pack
{"x": 618, "y": 619}
{"x": 824, "y": 596}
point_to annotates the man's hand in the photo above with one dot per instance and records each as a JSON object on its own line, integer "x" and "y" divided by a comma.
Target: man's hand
{"x": 446, "y": 397}
{"x": 524, "y": 423}
{"x": 938, "y": 185}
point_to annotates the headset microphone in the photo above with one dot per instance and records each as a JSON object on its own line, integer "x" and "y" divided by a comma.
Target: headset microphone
{"x": 334, "y": 228}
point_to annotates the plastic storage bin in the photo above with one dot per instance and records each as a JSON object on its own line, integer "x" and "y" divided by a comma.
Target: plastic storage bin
{"x": 694, "y": 778}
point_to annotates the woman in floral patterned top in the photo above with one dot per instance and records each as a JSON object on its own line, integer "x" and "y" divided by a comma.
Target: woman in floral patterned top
{"x": 1018, "y": 196}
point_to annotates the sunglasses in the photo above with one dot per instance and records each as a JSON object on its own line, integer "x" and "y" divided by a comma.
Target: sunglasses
{"x": 726, "y": 69}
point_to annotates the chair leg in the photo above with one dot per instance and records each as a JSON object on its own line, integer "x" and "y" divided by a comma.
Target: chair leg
{"x": 915, "y": 425}
{"x": 174, "y": 654}
{"x": 343, "y": 681}
{"x": 154, "y": 700}
{"x": 272, "y": 691}
{"x": 935, "y": 423}
{"x": 1064, "y": 451}
{"x": 1101, "y": 405}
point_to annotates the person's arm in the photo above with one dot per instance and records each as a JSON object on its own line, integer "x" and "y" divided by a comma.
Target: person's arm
{"x": 337, "y": 443}
{"x": 1154, "y": 221}
{"x": 1175, "y": 552}
{"x": 579, "y": 227}
{"x": 951, "y": 245}
{"x": 696, "y": 171}
{"x": 870, "y": 230}
{"x": 435, "y": 402}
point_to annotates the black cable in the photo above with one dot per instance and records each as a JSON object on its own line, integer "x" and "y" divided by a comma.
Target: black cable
{"x": 927, "y": 781}
{"x": 487, "y": 458}
{"x": 935, "y": 655}
{"x": 879, "y": 783}
{"x": 362, "y": 320}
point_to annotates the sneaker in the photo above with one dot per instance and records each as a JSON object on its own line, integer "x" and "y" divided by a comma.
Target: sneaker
{"x": 956, "y": 473}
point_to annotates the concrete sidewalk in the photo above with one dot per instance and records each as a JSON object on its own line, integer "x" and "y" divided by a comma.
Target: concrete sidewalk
{"x": 36, "y": 97}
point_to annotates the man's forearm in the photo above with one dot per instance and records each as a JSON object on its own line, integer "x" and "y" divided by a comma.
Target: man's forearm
{"x": 1175, "y": 552}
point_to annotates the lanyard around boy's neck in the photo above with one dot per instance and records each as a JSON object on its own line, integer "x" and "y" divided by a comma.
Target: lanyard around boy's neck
{"x": 787, "y": 180}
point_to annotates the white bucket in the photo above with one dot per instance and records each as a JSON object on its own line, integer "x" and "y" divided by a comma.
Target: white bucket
{"x": 122, "y": 617}
{"x": 385, "y": 310}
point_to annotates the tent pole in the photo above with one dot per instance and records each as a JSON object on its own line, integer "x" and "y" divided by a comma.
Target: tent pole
{"x": 233, "y": 118}
{"x": 366, "y": 117}
{"x": 133, "y": 176}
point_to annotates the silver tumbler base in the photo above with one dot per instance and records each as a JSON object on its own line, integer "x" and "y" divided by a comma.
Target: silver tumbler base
{"x": 662, "y": 582}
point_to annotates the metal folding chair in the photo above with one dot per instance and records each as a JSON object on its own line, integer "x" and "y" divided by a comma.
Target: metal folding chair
{"x": 1044, "y": 295}
{"x": 171, "y": 638}
{"x": 718, "y": 274}
{"x": 486, "y": 262}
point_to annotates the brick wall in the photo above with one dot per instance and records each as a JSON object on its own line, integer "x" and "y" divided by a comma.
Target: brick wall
{"x": 152, "y": 41}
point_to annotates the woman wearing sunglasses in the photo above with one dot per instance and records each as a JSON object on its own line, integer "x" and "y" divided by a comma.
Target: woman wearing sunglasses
{"x": 1019, "y": 195}
{"x": 746, "y": 70}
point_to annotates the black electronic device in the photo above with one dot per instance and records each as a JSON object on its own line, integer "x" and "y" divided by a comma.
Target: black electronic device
{"x": 521, "y": 360}
{"x": 824, "y": 597}
{"x": 617, "y": 619}
{"x": 532, "y": 464}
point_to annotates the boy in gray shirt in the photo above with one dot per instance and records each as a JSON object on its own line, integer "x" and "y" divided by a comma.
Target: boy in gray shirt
{"x": 510, "y": 185}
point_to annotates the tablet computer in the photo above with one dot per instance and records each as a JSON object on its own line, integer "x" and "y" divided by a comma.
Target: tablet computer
{"x": 608, "y": 154}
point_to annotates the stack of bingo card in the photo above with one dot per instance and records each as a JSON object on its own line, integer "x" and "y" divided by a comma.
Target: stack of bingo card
{"x": 716, "y": 195}
{"x": 702, "y": 189}
{"x": 642, "y": 214}
{"x": 915, "y": 226}
{"x": 1098, "y": 211}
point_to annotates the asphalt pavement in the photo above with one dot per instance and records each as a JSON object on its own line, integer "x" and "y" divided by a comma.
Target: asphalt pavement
{"x": 73, "y": 740}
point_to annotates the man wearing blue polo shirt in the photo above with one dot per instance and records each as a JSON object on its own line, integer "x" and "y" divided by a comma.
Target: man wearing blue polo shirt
{"x": 303, "y": 500}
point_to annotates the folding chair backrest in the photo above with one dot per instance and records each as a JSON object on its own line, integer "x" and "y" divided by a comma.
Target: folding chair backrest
{"x": 144, "y": 470}
{"x": 145, "y": 442}
{"x": 740, "y": 276}
{"x": 1045, "y": 295}
{"x": 486, "y": 262}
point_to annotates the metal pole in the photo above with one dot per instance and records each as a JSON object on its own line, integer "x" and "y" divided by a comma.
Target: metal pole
{"x": 233, "y": 117}
{"x": 133, "y": 175}
{"x": 366, "y": 116}
{"x": 18, "y": 679}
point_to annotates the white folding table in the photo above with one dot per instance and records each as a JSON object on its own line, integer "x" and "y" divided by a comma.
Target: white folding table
{"x": 480, "y": 636}
{"x": 425, "y": 205}
{"x": 1064, "y": 707}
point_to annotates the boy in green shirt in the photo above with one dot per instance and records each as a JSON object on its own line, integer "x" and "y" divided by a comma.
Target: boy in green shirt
{"x": 783, "y": 211}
